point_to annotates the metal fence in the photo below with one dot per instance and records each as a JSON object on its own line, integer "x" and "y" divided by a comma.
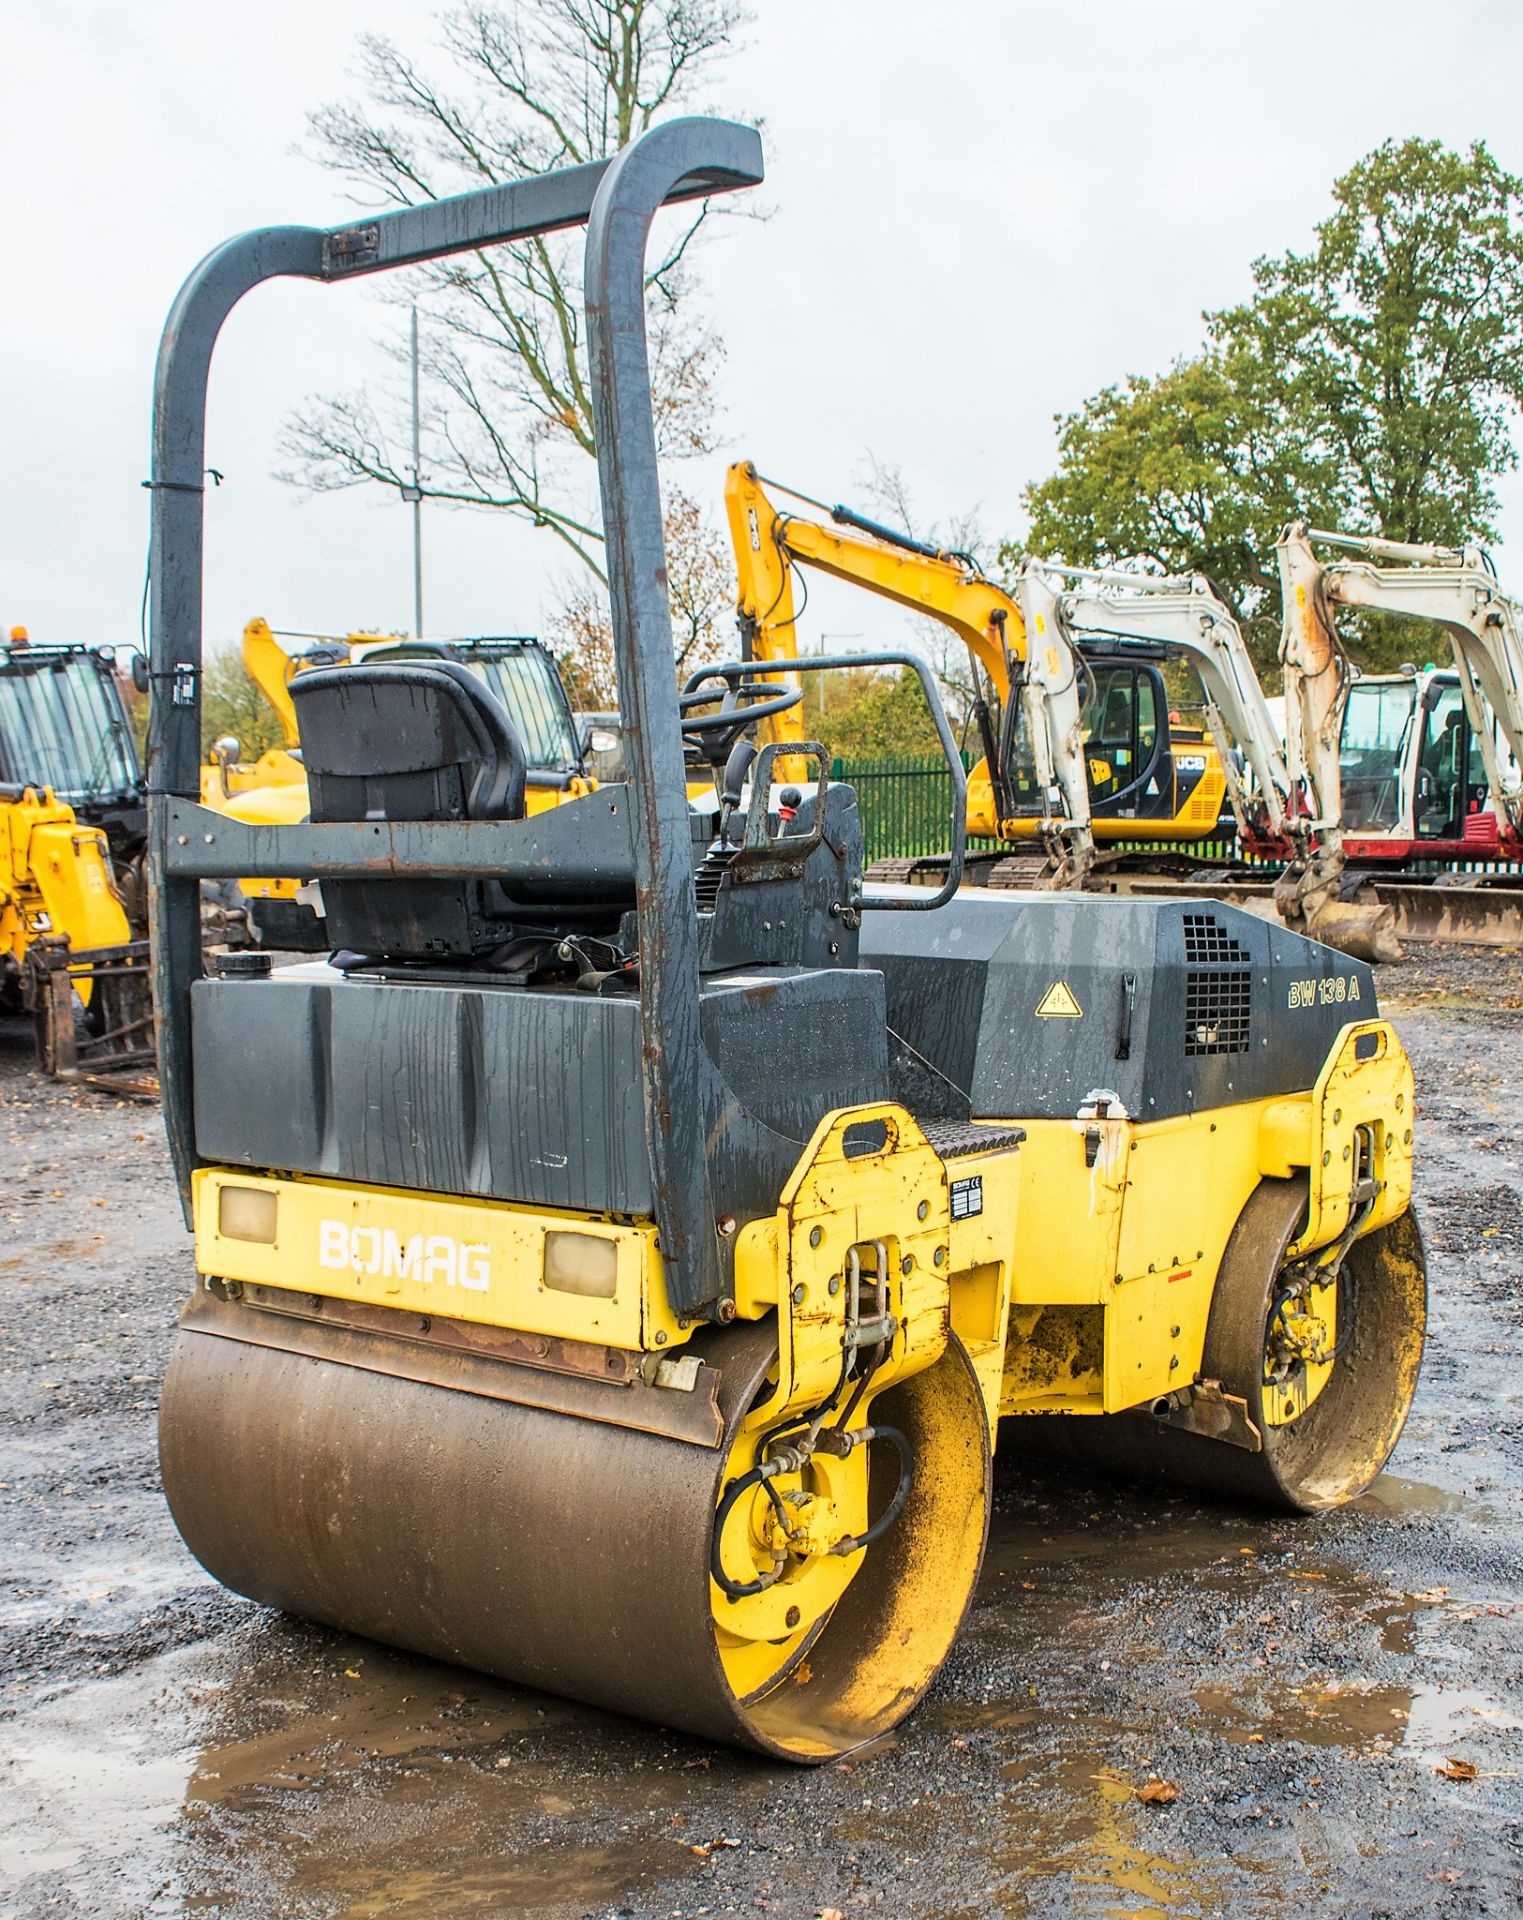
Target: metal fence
{"x": 906, "y": 805}
{"x": 905, "y": 800}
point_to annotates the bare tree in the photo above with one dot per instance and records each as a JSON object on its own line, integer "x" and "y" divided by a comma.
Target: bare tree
{"x": 702, "y": 594}
{"x": 950, "y": 661}
{"x": 527, "y": 87}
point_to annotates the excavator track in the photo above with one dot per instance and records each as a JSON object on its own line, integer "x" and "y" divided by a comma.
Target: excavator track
{"x": 505, "y": 1518}
{"x": 1444, "y": 909}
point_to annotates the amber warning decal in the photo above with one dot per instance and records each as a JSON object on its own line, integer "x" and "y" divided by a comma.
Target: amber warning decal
{"x": 1058, "y": 1003}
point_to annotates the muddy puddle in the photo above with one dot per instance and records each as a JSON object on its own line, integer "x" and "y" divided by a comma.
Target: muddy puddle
{"x": 354, "y": 1781}
{"x": 1425, "y": 1725}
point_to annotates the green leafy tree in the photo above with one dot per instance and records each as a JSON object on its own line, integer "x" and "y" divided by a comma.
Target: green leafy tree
{"x": 1370, "y": 383}
{"x": 231, "y": 703}
{"x": 1187, "y": 470}
{"x": 878, "y": 713}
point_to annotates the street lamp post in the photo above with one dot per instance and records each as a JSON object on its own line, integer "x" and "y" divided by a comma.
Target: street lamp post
{"x": 819, "y": 678}
{"x": 413, "y": 495}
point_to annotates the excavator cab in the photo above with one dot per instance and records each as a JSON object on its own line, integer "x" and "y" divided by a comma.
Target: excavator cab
{"x": 1413, "y": 772}
{"x": 1121, "y": 736}
{"x": 1139, "y": 767}
{"x": 1379, "y": 720}
{"x": 1451, "y": 781}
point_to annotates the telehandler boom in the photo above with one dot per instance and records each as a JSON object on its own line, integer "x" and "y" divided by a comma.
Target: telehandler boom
{"x": 617, "y": 1262}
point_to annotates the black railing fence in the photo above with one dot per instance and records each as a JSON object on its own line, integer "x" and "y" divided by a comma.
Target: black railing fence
{"x": 906, "y": 798}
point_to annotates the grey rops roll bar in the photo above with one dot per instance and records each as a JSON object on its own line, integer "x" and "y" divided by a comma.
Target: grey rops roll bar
{"x": 616, "y": 200}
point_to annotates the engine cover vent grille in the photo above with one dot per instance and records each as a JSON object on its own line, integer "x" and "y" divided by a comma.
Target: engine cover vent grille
{"x": 1208, "y": 943}
{"x": 1218, "y": 989}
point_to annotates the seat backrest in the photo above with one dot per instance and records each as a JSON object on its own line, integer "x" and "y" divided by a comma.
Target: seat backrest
{"x": 424, "y": 740}
{"x": 415, "y": 740}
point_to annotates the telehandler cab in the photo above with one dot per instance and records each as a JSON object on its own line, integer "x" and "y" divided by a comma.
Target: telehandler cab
{"x": 616, "y": 1263}
{"x": 72, "y": 914}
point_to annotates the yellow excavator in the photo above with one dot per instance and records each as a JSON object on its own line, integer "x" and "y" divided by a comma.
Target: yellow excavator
{"x": 1078, "y": 746}
{"x": 617, "y": 1263}
{"x": 1080, "y": 749}
{"x": 272, "y": 790}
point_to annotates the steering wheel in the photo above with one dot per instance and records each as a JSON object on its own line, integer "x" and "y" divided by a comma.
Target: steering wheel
{"x": 741, "y": 702}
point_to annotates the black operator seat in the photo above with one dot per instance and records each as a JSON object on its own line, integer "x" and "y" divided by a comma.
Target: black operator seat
{"x": 420, "y": 740}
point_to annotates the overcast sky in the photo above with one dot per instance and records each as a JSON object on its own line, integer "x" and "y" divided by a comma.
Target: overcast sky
{"x": 982, "y": 213}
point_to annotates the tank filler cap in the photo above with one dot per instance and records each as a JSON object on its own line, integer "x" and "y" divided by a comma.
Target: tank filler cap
{"x": 244, "y": 963}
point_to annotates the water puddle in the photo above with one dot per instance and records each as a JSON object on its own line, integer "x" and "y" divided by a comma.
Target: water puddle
{"x": 283, "y": 1769}
{"x": 92, "y": 1762}
{"x": 1394, "y": 1498}
{"x": 1421, "y": 1724}
{"x": 1098, "y": 1842}
{"x": 336, "y": 1777}
{"x": 97, "y": 1588}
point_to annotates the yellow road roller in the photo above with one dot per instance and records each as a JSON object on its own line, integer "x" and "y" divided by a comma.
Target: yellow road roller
{"x": 617, "y": 1259}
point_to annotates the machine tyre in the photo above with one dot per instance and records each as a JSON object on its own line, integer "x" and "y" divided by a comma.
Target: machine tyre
{"x": 1333, "y": 1451}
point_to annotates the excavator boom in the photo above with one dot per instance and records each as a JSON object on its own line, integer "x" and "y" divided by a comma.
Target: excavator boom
{"x": 945, "y": 587}
{"x": 1186, "y": 615}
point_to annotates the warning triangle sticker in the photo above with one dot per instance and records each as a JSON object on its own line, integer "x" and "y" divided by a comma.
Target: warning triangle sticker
{"x": 1058, "y": 1003}
{"x": 1152, "y": 787}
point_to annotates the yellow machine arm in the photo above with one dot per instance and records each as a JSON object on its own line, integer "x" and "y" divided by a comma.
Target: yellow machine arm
{"x": 270, "y": 667}
{"x": 948, "y": 588}
{"x": 768, "y": 544}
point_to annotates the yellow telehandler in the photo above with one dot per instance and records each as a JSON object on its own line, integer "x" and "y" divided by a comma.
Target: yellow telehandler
{"x": 72, "y": 830}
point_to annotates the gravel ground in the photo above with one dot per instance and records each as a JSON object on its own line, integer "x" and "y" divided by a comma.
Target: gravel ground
{"x": 169, "y": 1749}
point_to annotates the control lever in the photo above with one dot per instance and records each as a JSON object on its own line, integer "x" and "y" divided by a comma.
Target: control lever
{"x": 732, "y": 782}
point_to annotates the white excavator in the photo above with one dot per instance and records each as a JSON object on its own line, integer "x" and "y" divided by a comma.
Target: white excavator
{"x": 1285, "y": 807}
{"x": 1430, "y": 760}
{"x": 1427, "y": 762}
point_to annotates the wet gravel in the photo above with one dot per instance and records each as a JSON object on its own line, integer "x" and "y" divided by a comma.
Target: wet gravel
{"x": 168, "y": 1749}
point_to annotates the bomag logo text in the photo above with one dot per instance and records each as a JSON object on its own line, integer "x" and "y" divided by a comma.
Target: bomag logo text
{"x": 429, "y": 1259}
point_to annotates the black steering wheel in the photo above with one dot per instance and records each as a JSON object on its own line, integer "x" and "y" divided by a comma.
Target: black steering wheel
{"x": 740, "y": 702}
